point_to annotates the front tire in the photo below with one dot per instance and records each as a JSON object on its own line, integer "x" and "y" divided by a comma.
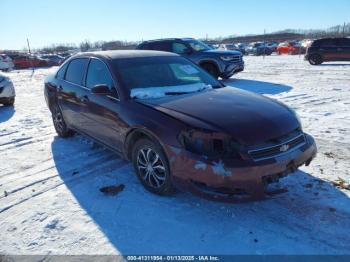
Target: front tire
{"x": 60, "y": 125}
{"x": 151, "y": 167}
{"x": 315, "y": 59}
{"x": 211, "y": 69}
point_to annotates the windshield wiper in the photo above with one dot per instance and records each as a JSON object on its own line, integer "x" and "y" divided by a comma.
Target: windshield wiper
{"x": 218, "y": 86}
{"x": 176, "y": 93}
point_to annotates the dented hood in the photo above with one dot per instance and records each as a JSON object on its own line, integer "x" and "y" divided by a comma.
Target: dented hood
{"x": 248, "y": 117}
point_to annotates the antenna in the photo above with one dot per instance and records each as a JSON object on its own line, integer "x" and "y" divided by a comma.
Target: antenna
{"x": 264, "y": 44}
{"x": 28, "y": 46}
{"x": 30, "y": 58}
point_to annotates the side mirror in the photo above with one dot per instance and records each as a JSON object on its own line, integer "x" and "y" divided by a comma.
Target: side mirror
{"x": 100, "y": 90}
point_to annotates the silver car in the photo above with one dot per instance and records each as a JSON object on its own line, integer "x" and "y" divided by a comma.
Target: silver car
{"x": 6, "y": 63}
{"x": 7, "y": 91}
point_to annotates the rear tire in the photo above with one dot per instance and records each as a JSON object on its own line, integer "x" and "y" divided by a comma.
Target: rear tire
{"x": 151, "y": 167}
{"x": 315, "y": 59}
{"x": 211, "y": 69}
{"x": 60, "y": 125}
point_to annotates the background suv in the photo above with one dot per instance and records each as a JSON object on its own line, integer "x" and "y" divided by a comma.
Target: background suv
{"x": 328, "y": 49}
{"x": 219, "y": 63}
{"x": 258, "y": 48}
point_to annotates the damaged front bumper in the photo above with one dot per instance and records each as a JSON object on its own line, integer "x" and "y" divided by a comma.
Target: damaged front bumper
{"x": 235, "y": 180}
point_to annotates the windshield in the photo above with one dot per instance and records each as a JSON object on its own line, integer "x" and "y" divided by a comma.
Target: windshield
{"x": 198, "y": 45}
{"x": 154, "y": 77}
{"x": 230, "y": 47}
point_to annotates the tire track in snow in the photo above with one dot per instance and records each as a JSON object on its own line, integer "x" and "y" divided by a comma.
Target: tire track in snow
{"x": 107, "y": 167}
{"x": 42, "y": 166}
{"x": 65, "y": 173}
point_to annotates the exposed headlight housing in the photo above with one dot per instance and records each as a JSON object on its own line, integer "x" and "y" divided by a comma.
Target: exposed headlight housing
{"x": 209, "y": 144}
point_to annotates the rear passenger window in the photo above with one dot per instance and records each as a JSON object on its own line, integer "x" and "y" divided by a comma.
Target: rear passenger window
{"x": 160, "y": 46}
{"x": 76, "y": 70}
{"x": 62, "y": 72}
{"x": 98, "y": 74}
{"x": 344, "y": 42}
{"x": 327, "y": 42}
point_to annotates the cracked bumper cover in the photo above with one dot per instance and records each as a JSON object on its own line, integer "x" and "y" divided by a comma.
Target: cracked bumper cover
{"x": 232, "y": 180}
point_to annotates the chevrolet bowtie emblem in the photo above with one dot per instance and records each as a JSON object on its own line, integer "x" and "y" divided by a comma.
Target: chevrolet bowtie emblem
{"x": 284, "y": 148}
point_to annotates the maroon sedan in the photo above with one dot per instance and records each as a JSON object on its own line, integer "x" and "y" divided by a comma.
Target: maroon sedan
{"x": 179, "y": 126}
{"x": 24, "y": 61}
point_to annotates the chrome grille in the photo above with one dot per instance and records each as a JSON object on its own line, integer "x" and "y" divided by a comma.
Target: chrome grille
{"x": 279, "y": 149}
{"x": 236, "y": 59}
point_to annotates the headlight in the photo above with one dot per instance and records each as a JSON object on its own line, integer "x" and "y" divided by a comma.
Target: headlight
{"x": 209, "y": 144}
{"x": 226, "y": 58}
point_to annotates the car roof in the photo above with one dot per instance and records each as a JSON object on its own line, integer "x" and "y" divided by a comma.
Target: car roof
{"x": 120, "y": 54}
{"x": 330, "y": 38}
{"x": 168, "y": 39}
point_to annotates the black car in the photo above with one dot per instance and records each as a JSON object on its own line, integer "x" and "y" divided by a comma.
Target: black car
{"x": 328, "y": 49}
{"x": 219, "y": 63}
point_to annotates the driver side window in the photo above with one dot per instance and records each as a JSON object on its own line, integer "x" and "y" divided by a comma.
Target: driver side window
{"x": 98, "y": 74}
{"x": 179, "y": 48}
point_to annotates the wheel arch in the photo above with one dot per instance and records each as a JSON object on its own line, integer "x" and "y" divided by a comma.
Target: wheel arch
{"x": 211, "y": 62}
{"x": 136, "y": 134}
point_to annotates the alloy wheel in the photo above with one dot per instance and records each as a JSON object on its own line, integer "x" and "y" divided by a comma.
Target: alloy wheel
{"x": 151, "y": 168}
{"x": 58, "y": 119}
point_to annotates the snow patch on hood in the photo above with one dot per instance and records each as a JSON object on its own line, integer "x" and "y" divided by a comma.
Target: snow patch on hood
{"x": 161, "y": 91}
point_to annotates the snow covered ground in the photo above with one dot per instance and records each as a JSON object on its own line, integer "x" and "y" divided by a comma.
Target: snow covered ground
{"x": 50, "y": 201}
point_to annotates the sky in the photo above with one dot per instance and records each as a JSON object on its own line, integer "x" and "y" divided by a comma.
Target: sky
{"x": 46, "y": 22}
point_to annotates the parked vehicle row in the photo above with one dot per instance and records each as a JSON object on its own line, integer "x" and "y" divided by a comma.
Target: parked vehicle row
{"x": 23, "y": 61}
{"x": 53, "y": 60}
{"x": 258, "y": 48}
{"x": 233, "y": 47}
{"x": 264, "y": 48}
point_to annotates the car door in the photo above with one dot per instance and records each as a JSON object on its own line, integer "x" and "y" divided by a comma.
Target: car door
{"x": 71, "y": 94}
{"x": 102, "y": 111}
{"x": 329, "y": 49}
{"x": 343, "y": 48}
